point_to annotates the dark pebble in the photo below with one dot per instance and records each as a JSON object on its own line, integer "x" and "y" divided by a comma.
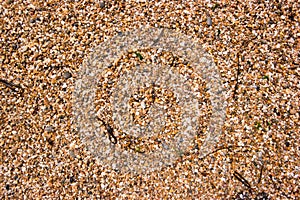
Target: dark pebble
{"x": 102, "y": 4}
{"x": 49, "y": 128}
{"x": 67, "y": 75}
{"x": 287, "y": 144}
{"x": 72, "y": 180}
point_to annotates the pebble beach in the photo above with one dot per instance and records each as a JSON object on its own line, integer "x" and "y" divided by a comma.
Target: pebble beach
{"x": 255, "y": 45}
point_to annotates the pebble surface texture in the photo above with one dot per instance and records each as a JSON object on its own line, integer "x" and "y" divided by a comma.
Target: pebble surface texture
{"x": 151, "y": 103}
{"x": 254, "y": 44}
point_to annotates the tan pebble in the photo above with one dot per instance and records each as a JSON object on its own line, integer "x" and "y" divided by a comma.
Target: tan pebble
{"x": 293, "y": 111}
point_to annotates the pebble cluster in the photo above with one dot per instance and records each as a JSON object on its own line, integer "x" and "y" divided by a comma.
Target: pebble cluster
{"x": 255, "y": 45}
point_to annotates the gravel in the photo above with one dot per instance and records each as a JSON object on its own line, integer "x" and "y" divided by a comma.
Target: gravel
{"x": 255, "y": 46}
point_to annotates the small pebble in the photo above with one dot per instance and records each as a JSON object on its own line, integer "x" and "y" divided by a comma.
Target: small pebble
{"x": 102, "y": 4}
{"x": 208, "y": 20}
{"x": 67, "y": 75}
{"x": 49, "y": 128}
